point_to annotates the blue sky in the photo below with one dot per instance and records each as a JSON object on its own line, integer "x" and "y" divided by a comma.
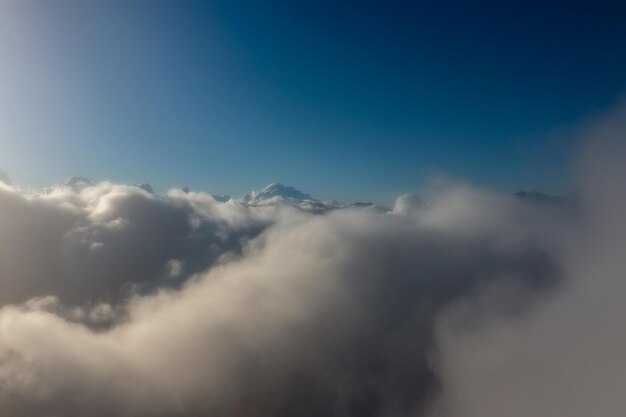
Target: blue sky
{"x": 344, "y": 100}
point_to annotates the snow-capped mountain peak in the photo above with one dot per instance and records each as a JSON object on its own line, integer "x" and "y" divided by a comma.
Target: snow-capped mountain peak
{"x": 276, "y": 190}
{"x": 72, "y": 183}
{"x": 277, "y": 193}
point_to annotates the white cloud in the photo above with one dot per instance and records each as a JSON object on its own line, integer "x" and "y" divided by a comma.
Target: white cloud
{"x": 475, "y": 303}
{"x": 330, "y": 314}
{"x": 565, "y": 356}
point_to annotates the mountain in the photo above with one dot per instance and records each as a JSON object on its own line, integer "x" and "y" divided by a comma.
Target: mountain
{"x": 283, "y": 194}
{"x": 221, "y": 198}
{"x": 537, "y": 197}
{"x": 146, "y": 187}
{"x": 73, "y": 183}
{"x": 5, "y": 178}
{"x": 277, "y": 193}
{"x": 276, "y": 190}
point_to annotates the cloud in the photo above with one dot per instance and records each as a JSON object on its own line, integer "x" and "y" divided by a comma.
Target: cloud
{"x": 565, "y": 355}
{"x": 275, "y": 311}
{"x": 120, "y": 302}
{"x": 407, "y": 203}
{"x": 87, "y": 243}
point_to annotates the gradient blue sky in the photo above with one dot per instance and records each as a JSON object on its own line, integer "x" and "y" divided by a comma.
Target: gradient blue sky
{"x": 346, "y": 100}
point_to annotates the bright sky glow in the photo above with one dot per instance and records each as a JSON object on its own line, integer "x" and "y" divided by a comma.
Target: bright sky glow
{"x": 354, "y": 101}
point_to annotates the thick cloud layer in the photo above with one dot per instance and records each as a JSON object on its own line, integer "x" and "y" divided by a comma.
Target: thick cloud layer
{"x": 565, "y": 356}
{"x": 318, "y": 315}
{"x": 89, "y": 243}
{"x": 120, "y": 302}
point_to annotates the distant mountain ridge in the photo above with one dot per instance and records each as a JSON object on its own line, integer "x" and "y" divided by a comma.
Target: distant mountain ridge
{"x": 277, "y": 193}
{"x": 73, "y": 183}
{"x": 538, "y": 197}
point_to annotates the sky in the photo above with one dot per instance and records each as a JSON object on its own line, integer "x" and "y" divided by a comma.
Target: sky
{"x": 343, "y": 100}
{"x": 458, "y": 299}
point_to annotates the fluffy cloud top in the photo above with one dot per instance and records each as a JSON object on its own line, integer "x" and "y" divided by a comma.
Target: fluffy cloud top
{"x": 120, "y": 302}
{"x": 148, "y": 305}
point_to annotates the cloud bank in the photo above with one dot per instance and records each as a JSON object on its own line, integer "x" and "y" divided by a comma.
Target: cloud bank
{"x": 116, "y": 301}
{"x": 565, "y": 355}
